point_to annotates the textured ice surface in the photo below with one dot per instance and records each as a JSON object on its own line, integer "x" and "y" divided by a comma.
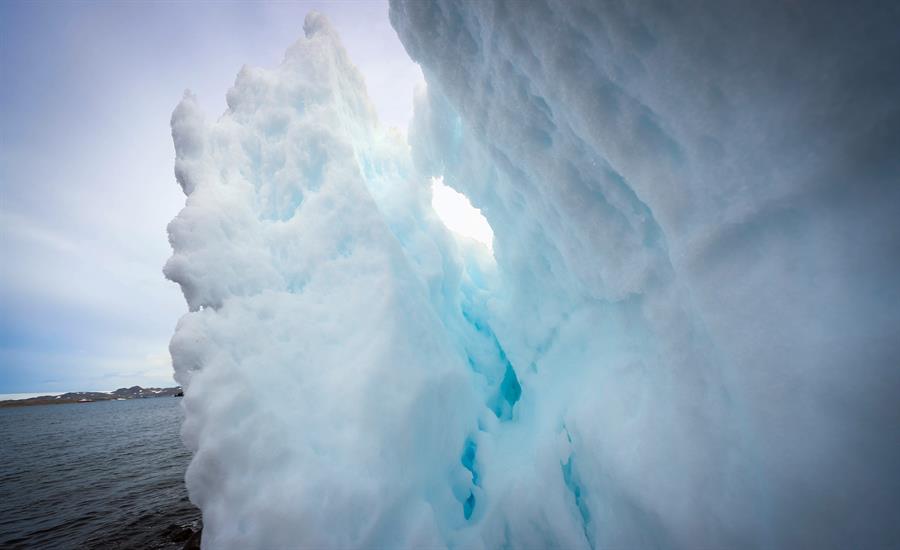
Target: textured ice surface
{"x": 325, "y": 402}
{"x": 682, "y": 337}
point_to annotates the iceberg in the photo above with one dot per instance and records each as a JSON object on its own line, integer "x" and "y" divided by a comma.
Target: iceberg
{"x": 679, "y": 332}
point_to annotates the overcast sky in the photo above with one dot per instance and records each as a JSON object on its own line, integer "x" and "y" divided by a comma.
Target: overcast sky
{"x": 86, "y": 177}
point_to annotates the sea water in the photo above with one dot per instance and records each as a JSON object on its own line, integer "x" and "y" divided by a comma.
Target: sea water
{"x": 103, "y": 474}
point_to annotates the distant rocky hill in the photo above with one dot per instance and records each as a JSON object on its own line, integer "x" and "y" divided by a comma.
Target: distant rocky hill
{"x": 121, "y": 394}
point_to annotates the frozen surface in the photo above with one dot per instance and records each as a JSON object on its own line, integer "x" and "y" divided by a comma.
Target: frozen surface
{"x": 682, "y": 336}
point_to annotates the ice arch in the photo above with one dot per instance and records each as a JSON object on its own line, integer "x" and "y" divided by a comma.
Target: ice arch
{"x": 645, "y": 360}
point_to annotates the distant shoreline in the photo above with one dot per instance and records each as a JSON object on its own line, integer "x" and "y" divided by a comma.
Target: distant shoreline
{"x": 27, "y": 395}
{"x": 121, "y": 394}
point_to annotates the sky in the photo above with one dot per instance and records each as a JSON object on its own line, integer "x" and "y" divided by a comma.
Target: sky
{"x": 86, "y": 167}
{"x": 457, "y": 213}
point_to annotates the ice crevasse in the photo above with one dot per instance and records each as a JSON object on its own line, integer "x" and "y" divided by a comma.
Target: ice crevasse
{"x": 681, "y": 337}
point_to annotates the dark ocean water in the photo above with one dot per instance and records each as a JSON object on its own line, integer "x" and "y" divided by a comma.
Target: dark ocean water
{"x": 96, "y": 475}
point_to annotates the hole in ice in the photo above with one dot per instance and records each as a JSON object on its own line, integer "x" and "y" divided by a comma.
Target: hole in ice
{"x": 458, "y": 214}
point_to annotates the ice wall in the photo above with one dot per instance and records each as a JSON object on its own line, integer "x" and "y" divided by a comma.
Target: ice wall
{"x": 325, "y": 404}
{"x": 695, "y": 207}
{"x": 681, "y": 338}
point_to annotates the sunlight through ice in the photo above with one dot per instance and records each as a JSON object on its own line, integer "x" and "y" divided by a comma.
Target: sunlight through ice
{"x": 458, "y": 214}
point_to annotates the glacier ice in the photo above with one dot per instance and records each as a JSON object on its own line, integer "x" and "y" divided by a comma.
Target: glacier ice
{"x": 681, "y": 336}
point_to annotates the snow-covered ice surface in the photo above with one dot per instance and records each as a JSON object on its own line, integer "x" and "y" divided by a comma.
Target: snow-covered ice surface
{"x": 684, "y": 334}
